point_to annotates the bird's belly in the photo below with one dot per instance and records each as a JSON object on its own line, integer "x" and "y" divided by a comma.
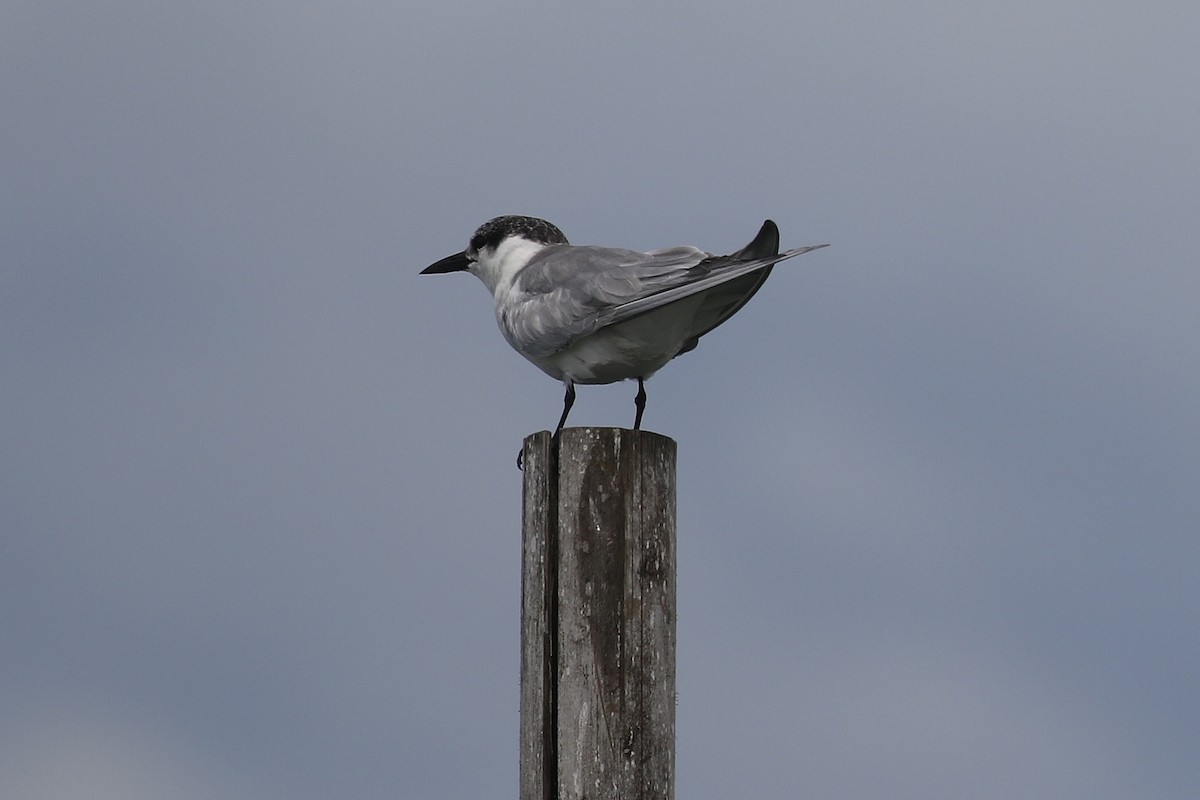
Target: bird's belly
{"x": 633, "y": 349}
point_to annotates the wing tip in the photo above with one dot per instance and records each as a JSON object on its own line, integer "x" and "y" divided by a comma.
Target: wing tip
{"x": 799, "y": 251}
{"x": 764, "y": 244}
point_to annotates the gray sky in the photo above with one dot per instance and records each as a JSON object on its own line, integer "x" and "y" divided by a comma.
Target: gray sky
{"x": 938, "y": 507}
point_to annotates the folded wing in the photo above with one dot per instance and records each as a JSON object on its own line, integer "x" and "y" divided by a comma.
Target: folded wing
{"x": 567, "y": 293}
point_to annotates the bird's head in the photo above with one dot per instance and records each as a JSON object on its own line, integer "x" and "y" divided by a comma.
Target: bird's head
{"x": 499, "y": 248}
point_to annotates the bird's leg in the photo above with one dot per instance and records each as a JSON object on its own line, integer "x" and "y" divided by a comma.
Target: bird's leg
{"x": 568, "y": 401}
{"x": 639, "y": 402}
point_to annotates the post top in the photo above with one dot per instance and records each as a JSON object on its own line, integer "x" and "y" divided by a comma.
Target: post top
{"x": 590, "y": 433}
{"x": 605, "y": 448}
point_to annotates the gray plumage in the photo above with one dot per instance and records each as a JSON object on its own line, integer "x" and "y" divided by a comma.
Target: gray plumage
{"x": 587, "y": 314}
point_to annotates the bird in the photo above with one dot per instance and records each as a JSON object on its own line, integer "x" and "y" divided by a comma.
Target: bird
{"x": 595, "y": 315}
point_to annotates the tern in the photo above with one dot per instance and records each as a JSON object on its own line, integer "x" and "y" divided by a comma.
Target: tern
{"x": 592, "y": 315}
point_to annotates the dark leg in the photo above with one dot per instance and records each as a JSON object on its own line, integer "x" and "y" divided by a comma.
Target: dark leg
{"x": 568, "y": 401}
{"x": 639, "y": 402}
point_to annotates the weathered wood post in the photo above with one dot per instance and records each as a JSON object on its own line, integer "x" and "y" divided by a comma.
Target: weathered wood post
{"x": 598, "y": 616}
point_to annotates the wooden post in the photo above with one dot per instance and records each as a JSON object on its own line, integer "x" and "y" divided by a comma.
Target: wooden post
{"x": 598, "y": 617}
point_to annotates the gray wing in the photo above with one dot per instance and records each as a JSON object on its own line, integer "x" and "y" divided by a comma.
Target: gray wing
{"x": 708, "y": 274}
{"x": 566, "y": 293}
{"x": 571, "y": 292}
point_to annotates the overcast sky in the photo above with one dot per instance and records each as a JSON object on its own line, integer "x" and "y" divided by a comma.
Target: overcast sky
{"x": 939, "y": 517}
